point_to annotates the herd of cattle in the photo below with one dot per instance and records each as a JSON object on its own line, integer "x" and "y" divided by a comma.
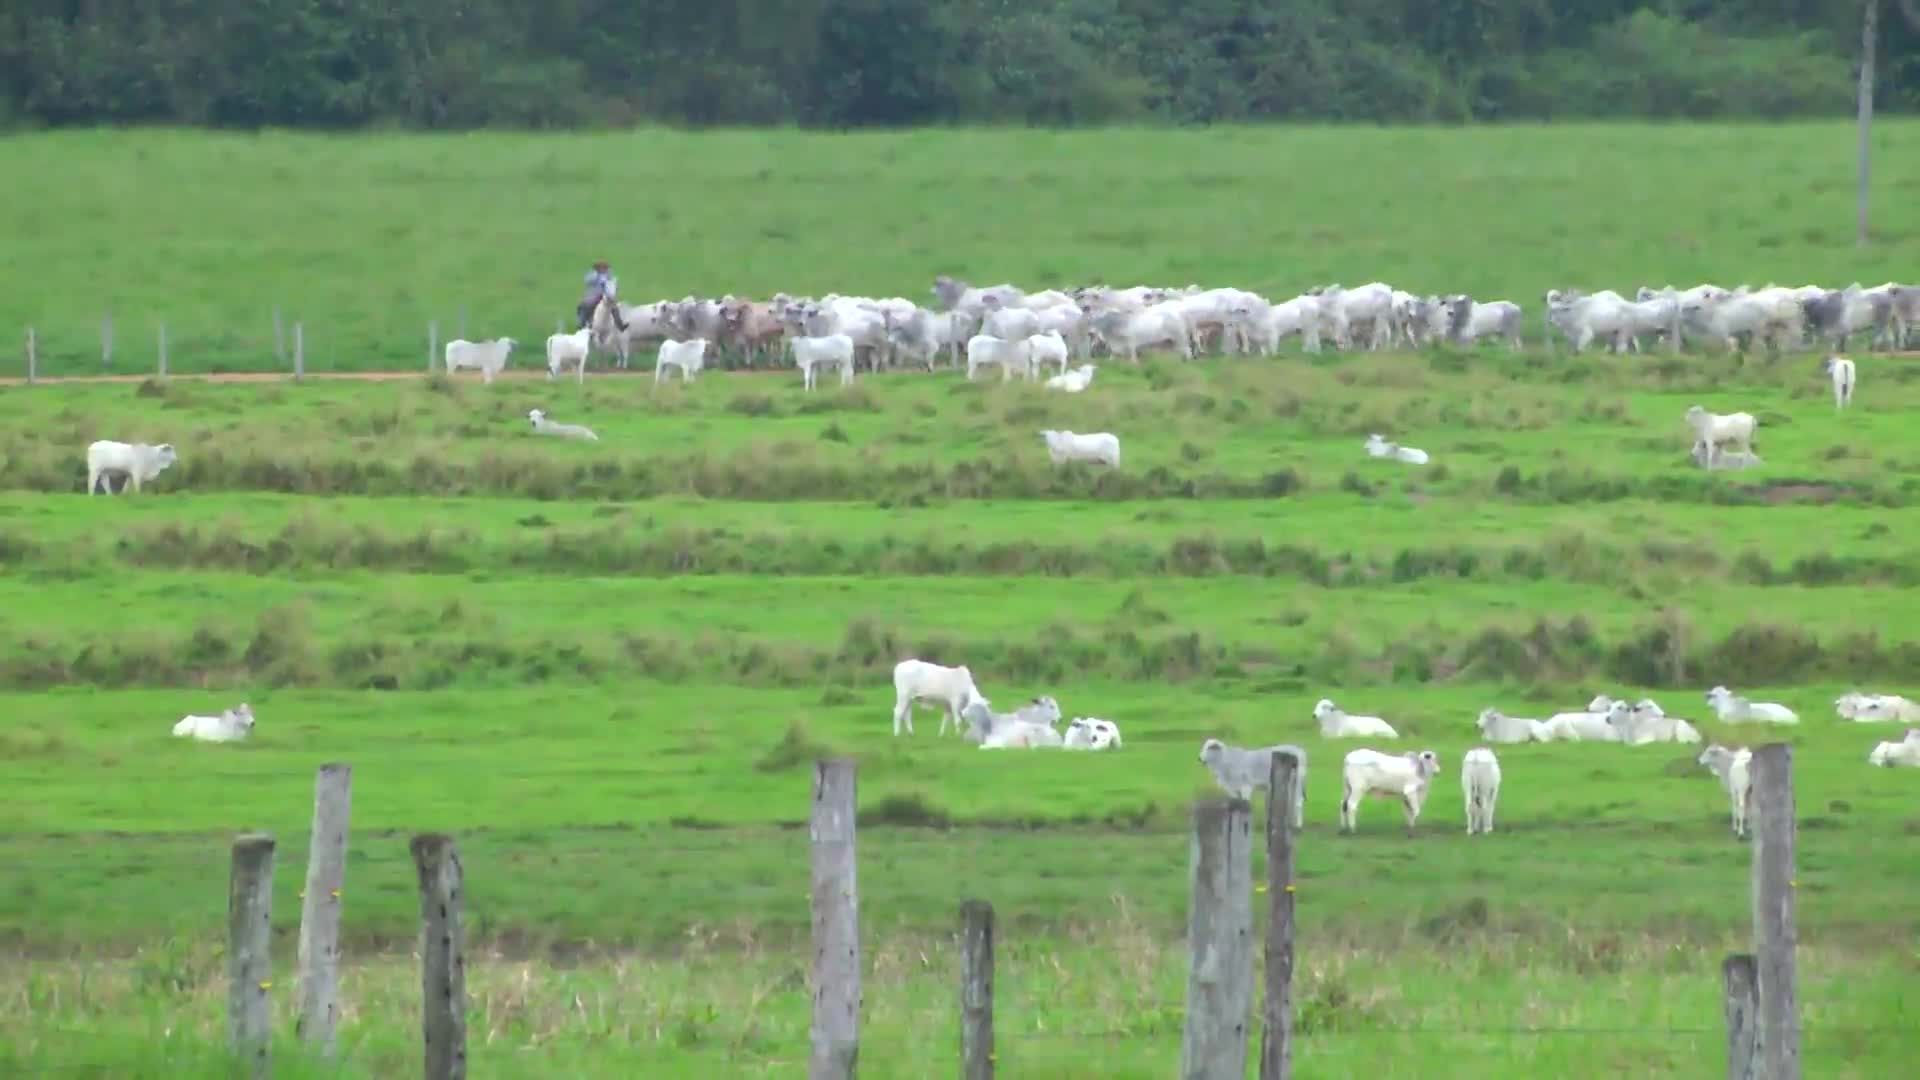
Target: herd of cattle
{"x": 1407, "y": 777}
{"x": 1021, "y": 332}
{"x": 1018, "y": 332}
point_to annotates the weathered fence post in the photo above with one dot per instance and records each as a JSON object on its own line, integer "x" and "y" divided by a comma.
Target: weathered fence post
{"x": 319, "y": 960}
{"x": 1743, "y": 1029}
{"x": 1773, "y": 908}
{"x": 1220, "y": 939}
{"x": 1276, "y": 1028}
{"x": 249, "y": 947}
{"x": 443, "y": 963}
{"x": 433, "y": 343}
{"x": 106, "y": 340}
{"x": 976, "y": 990}
{"x": 299, "y": 351}
{"x": 836, "y": 924}
{"x": 33, "y": 361}
{"x": 163, "y": 349}
{"x": 279, "y": 339}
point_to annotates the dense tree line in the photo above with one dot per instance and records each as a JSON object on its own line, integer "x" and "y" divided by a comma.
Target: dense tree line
{"x": 851, "y": 63}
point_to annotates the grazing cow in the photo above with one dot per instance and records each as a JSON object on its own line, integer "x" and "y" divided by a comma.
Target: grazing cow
{"x": 916, "y": 681}
{"x": 488, "y": 357}
{"x": 138, "y": 462}
{"x": 231, "y": 725}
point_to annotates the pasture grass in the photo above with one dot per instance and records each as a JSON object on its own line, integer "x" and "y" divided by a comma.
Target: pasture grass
{"x": 1103, "y": 1002}
{"x": 1507, "y": 428}
{"x": 366, "y": 238}
{"x": 632, "y": 811}
{"x": 607, "y": 668}
{"x": 1356, "y": 540}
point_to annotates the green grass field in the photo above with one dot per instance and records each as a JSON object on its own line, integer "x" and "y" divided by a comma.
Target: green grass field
{"x": 365, "y": 239}
{"x": 607, "y": 668}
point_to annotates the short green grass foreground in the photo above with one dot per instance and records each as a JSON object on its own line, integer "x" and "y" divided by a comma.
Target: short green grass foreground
{"x": 607, "y": 669}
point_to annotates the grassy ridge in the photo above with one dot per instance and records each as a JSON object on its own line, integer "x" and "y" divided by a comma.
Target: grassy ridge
{"x": 405, "y": 632}
{"x": 1517, "y": 429}
{"x": 367, "y": 238}
{"x": 1358, "y": 541}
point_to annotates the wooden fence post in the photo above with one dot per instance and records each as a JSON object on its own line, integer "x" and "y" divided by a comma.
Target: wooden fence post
{"x": 279, "y": 339}
{"x": 106, "y": 340}
{"x": 299, "y": 351}
{"x": 1773, "y": 910}
{"x": 1743, "y": 1029}
{"x": 319, "y": 960}
{"x": 163, "y": 349}
{"x": 433, "y": 343}
{"x": 443, "y": 964}
{"x": 836, "y": 923}
{"x": 1220, "y": 939}
{"x": 33, "y": 361}
{"x": 976, "y": 990}
{"x": 1276, "y": 1029}
{"x": 249, "y": 947}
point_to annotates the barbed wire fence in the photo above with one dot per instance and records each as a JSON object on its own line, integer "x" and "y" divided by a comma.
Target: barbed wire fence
{"x": 1760, "y": 1021}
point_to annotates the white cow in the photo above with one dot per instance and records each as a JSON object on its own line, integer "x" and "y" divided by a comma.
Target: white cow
{"x": 1370, "y": 305}
{"x": 544, "y": 426}
{"x": 1406, "y": 777}
{"x": 810, "y": 354}
{"x": 1841, "y": 371}
{"x": 1715, "y": 431}
{"x": 1735, "y": 770}
{"x": 231, "y": 725}
{"x": 916, "y": 681}
{"x": 1100, "y": 448}
{"x": 957, "y": 295}
{"x": 569, "y": 350}
{"x": 1469, "y": 320}
{"x": 1336, "y": 724}
{"x": 1263, "y": 328}
{"x": 488, "y": 357}
{"x": 1875, "y": 708}
{"x": 1480, "y": 780}
{"x": 1596, "y": 723}
{"x": 688, "y": 356}
{"x": 1044, "y": 348}
{"x": 1242, "y": 772}
{"x": 1092, "y": 733}
{"x": 1127, "y": 332}
{"x": 1073, "y": 382}
{"x": 1584, "y": 317}
{"x": 1377, "y": 446}
{"x": 1894, "y": 755}
{"x": 1738, "y": 710}
{"x": 1496, "y": 726}
{"x": 1647, "y": 723}
{"x": 138, "y": 462}
{"x": 985, "y": 350}
{"x": 1028, "y": 726}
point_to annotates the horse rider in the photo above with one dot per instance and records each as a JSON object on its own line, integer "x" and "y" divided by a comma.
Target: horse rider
{"x": 598, "y": 279}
